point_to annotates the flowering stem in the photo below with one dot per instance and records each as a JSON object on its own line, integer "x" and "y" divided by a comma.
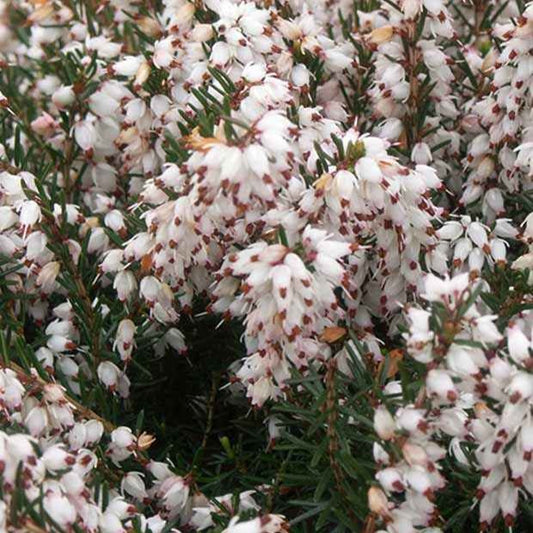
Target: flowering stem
{"x": 209, "y": 422}
{"x": 333, "y": 440}
{"x": 70, "y": 267}
{"x": 40, "y": 383}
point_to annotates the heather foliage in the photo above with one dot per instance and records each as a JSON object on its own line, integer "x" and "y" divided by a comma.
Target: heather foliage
{"x": 266, "y": 266}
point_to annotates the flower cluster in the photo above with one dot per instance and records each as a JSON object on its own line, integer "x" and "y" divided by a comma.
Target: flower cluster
{"x": 477, "y": 396}
{"x": 52, "y": 450}
{"x": 55, "y": 449}
{"x": 501, "y": 153}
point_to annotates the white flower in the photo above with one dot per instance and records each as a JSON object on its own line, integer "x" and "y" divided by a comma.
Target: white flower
{"x": 132, "y": 484}
{"x": 174, "y": 492}
{"x": 518, "y": 344}
{"x": 421, "y": 154}
{"x": 36, "y": 421}
{"x": 47, "y": 276}
{"x": 440, "y": 383}
{"x": 367, "y": 169}
{"x": 63, "y": 97}
{"x": 108, "y": 374}
{"x": 125, "y": 284}
{"x": 521, "y": 387}
{"x": 60, "y": 509}
{"x": 57, "y": 458}
{"x": 124, "y": 339}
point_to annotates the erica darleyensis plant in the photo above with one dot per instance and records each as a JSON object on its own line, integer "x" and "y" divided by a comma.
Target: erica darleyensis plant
{"x": 265, "y": 266}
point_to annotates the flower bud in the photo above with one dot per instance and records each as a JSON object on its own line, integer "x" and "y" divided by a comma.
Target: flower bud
{"x": 202, "y": 33}
{"x": 414, "y": 454}
{"x": 77, "y": 436}
{"x": 377, "y": 501}
{"x": 384, "y": 424}
{"x": 44, "y": 125}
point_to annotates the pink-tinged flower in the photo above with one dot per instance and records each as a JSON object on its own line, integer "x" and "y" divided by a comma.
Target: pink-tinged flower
{"x": 46, "y": 278}
{"x": 44, "y": 125}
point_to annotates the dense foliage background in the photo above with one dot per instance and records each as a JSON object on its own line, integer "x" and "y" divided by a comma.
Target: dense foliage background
{"x": 265, "y": 266}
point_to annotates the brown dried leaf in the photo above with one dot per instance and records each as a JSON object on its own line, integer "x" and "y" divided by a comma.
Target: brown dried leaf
{"x": 195, "y": 141}
{"x": 323, "y": 181}
{"x": 144, "y": 441}
{"x": 333, "y": 334}
{"x": 395, "y": 356}
{"x": 146, "y": 263}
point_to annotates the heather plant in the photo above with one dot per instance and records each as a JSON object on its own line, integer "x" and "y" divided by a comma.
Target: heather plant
{"x": 265, "y": 266}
